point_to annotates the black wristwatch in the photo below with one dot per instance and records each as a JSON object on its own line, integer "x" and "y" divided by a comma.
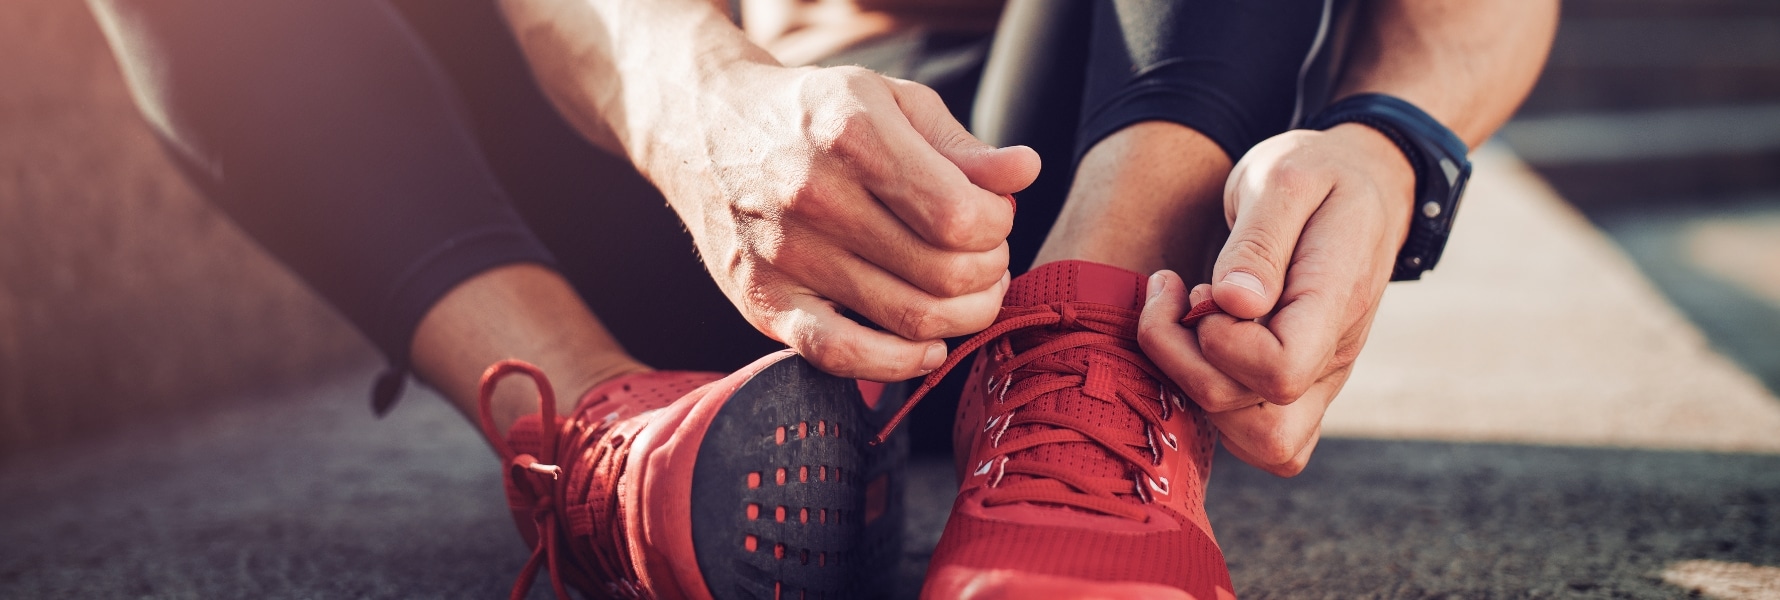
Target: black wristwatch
{"x": 1441, "y": 170}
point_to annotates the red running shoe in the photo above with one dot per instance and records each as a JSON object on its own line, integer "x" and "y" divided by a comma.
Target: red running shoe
{"x": 1083, "y": 468}
{"x": 697, "y": 485}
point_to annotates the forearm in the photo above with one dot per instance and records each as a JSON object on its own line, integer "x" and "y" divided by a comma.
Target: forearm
{"x": 1467, "y": 63}
{"x": 619, "y": 70}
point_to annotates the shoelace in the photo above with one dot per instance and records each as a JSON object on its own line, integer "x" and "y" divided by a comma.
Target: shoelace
{"x": 1107, "y": 330}
{"x": 597, "y": 450}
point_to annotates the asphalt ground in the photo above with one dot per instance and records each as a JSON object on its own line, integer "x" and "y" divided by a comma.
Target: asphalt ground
{"x": 306, "y": 496}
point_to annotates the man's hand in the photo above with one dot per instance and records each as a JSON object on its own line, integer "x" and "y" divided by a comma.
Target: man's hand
{"x": 1316, "y": 220}
{"x": 808, "y": 190}
{"x": 805, "y": 189}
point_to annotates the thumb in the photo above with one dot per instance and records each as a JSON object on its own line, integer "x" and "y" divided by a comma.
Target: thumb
{"x": 998, "y": 170}
{"x": 1250, "y": 272}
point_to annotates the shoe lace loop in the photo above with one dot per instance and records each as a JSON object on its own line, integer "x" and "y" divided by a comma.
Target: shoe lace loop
{"x": 597, "y": 453}
{"x": 1106, "y": 329}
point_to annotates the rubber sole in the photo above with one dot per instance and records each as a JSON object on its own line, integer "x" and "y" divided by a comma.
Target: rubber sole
{"x": 789, "y": 500}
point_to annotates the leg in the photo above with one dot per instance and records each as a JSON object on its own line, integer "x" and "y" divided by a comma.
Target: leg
{"x": 1145, "y": 198}
{"x": 352, "y": 163}
{"x": 1155, "y": 148}
{"x": 522, "y": 311}
{"x": 609, "y": 231}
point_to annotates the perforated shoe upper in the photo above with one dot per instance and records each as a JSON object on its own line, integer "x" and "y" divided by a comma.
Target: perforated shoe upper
{"x": 1078, "y": 459}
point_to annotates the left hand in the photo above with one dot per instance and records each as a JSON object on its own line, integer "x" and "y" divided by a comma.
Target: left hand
{"x": 1316, "y": 219}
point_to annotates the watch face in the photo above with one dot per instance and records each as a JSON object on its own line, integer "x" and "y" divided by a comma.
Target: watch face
{"x": 1457, "y": 194}
{"x": 1450, "y": 170}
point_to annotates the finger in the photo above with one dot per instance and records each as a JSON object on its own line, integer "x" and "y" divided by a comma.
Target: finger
{"x": 919, "y": 185}
{"x": 867, "y": 228}
{"x": 1270, "y": 435}
{"x": 1271, "y": 201}
{"x": 894, "y": 304}
{"x": 1200, "y": 293}
{"x": 1174, "y": 349}
{"x": 1336, "y": 278}
{"x": 835, "y": 344}
{"x": 998, "y": 170}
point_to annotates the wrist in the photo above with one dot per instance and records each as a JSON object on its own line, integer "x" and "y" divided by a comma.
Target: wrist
{"x": 669, "y": 77}
{"x": 1387, "y": 168}
{"x": 666, "y": 115}
{"x": 1437, "y": 157}
{"x": 623, "y": 73}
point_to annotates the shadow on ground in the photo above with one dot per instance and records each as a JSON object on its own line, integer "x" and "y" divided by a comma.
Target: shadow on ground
{"x": 311, "y": 497}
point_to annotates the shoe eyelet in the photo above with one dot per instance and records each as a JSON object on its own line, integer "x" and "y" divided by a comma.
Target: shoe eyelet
{"x": 1149, "y": 438}
{"x": 1000, "y": 471}
{"x": 995, "y": 441}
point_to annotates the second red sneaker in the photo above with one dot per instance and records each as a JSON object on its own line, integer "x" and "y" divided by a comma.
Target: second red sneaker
{"x": 1082, "y": 468}
{"x": 697, "y": 485}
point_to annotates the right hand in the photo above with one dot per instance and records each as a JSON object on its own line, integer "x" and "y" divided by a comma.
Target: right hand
{"x": 808, "y": 190}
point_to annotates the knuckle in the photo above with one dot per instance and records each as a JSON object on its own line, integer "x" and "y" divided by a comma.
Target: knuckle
{"x": 955, "y": 226}
{"x": 1283, "y": 387}
{"x": 838, "y": 119}
{"x": 839, "y": 81}
{"x": 920, "y": 319}
{"x": 803, "y": 196}
{"x": 1291, "y": 178}
{"x": 1216, "y": 348}
{"x": 1226, "y": 400}
{"x": 765, "y": 301}
{"x": 848, "y": 132}
{"x": 830, "y": 352}
{"x": 1256, "y": 248}
{"x": 1286, "y": 173}
{"x": 778, "y": 249}
{"x": 854, "y": 78}
{"x": 952, "y": 137}
{"x": 1225, "y": 396}
{"x": 957, "y": 275}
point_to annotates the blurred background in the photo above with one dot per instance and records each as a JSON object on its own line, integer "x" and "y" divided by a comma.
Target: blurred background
{"x": 142, "y": 332}
{"x": 1660, "y": 120}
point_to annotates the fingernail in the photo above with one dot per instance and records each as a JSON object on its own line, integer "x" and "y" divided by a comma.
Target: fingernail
{"x": 1156, "y": 284}
{"x": 936, "y": 356}
{"x": 1246, "y": 281}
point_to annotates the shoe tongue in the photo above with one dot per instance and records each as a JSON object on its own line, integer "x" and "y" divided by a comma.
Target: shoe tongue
{"x": 1077, "y": 281}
